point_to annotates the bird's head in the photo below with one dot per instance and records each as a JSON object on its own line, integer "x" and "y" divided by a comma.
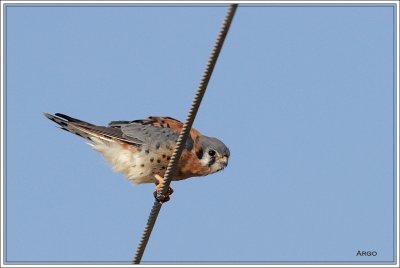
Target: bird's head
{"x": 213, "y": 154}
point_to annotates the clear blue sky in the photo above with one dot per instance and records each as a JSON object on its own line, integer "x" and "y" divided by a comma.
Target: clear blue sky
{"x": 302, "y": 95}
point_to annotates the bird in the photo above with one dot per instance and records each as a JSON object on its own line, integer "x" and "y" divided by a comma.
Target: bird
{"x": 141, "y": 149}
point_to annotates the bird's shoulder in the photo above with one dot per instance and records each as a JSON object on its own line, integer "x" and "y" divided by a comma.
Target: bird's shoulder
{"x": 162, "y": 128}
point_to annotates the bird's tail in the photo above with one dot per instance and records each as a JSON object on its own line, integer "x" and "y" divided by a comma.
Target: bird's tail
{"x": 78, "y": 127}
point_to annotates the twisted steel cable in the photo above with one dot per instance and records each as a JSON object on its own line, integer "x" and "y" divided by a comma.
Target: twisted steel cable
{"x": 185, "y": 132}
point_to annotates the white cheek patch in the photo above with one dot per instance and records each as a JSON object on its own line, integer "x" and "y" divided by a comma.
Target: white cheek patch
{"x": 205, "y": 160}
{"x": 218, "y": 164}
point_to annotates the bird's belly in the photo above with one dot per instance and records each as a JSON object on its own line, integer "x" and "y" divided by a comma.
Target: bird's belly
{"x": 138, "y": 165}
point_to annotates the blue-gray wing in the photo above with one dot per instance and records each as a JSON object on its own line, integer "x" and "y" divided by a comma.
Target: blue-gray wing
{"x": 153, "y": 130}
{"x": 149, "y": 134}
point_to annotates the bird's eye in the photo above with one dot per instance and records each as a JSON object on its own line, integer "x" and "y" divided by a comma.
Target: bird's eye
{"x": 211, "y": 152}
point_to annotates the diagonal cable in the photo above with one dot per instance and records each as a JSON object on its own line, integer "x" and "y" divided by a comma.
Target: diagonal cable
{"x": 185, "y": 132}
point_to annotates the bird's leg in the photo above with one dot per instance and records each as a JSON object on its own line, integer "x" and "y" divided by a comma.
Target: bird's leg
{"x": 160, "y": 181}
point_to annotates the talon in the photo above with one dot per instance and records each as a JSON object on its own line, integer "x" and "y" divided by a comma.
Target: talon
{"x": 166, "y": 196}
{"x": 170, "y": 191}
{"x": 165, "y": 199}
{"x": 160, "y": 181}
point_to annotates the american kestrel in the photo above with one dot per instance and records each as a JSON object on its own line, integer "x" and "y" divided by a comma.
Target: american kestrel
{"x": 141, "y": 149}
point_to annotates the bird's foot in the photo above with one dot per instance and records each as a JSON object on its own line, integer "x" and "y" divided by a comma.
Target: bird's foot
{"x": 164, "y": 198}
